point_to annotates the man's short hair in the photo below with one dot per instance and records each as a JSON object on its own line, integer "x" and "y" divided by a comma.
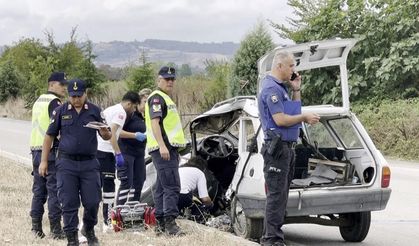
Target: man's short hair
{"x": 280, "y": 57}
{"x": 144, "y": 92}
{"x": 132, "y": 97}
{"x": 198, "y": 162}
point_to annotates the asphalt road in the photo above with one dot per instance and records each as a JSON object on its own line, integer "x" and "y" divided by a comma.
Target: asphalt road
{"x": 397, "y": 225}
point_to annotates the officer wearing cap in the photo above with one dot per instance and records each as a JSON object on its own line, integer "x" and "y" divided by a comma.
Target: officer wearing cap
{"x": 281, "y": 119}
{"x": 44, "y": 188}
{"x": 77, "y": 168}
{"x": 164, "y": 137}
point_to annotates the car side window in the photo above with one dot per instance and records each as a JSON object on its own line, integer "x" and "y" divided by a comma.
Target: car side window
{"x": 319, "y": 136}
{"x": 250, "y": 131}
{"x": 346, "y": 132}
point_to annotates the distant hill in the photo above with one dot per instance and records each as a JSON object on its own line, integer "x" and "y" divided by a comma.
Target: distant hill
{"x": 119, "y": 53}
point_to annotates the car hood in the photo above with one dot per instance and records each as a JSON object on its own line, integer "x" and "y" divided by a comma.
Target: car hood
{"x": 224, "y": 114}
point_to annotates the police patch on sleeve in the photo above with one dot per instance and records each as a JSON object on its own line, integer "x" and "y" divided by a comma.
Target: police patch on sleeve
{"x": 156, "y": 108}
{"x": 274, "y": 98}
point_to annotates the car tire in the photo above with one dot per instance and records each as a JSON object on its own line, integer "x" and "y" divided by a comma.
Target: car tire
{"x": 242, "y": 225}
{"x": 359, "y": 226}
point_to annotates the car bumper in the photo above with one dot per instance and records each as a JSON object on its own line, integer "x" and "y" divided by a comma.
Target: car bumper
{"x": 302, "y": 203}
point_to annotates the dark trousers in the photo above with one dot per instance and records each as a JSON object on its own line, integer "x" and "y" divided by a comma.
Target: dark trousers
{"x": 107, "y": 175}
{"x": 78, "y": 180}
{"x": 278, "y": 176}
{"x": 44, "y": 189}
{"x": 166, "y": 192}
{"x": 185, "y": 200}
{"x": 132, "y": 176}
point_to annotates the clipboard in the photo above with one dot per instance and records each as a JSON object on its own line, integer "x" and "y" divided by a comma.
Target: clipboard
{"x": 96, "y": 125}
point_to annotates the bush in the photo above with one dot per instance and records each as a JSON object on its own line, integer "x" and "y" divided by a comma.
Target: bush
{"x": 10, "y": 81}
{"x": 393, "y": 126}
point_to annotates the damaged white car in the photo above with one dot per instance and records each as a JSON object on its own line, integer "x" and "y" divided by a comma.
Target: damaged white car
{"x": 340, "y": 176}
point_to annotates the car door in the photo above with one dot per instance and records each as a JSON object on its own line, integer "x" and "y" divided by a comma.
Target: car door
{"x": 248, "y": 178}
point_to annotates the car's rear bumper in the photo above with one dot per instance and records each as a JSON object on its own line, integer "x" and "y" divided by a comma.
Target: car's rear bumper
{"x": 322, "y": 202}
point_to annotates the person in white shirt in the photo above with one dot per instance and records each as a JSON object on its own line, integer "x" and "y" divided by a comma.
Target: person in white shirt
{"x": 192, "y": 178}
{"x": 109, "y": 154}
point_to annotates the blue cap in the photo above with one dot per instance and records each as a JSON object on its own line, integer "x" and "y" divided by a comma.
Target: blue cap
{"x": 57, "y": 76}
{"x": 167, "y": 72}
{"x": 76, "y": 87}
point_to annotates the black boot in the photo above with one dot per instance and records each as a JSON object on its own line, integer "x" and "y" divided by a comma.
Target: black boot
{"x": 159, "y": 229}
{"x": 171, "y": 228}
{"x": 72, "y": 238}
{"x": 37, "y": 227}
{"x": 56, "y": 230}
{"x": 90, "y": 235}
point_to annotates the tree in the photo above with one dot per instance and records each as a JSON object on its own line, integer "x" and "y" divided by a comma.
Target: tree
{"x": 22, "y": 53}
{"x": 87, "y": 71}
{"x": 244, "y": 67}
{"x": 142, "y": 76}
{"x": 218, "y": 74}
{"x": 34, "y": 62}
{"x": 383, "y": 64}
{"x": 40, "y": 70}
{"x": 184, "y": 70}
{"x": 10, "y": 80}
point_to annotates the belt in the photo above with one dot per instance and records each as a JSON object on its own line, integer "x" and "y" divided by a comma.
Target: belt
{"x": 75, "y": 157}
{"x": 290, "y": 144}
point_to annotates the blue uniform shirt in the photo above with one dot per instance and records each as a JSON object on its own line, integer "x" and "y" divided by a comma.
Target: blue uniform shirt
{"x": 273, "y": 99}
{"x": 75, "y": 139}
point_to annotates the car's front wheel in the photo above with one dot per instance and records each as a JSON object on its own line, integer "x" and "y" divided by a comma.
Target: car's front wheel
{"x": 243, "y": 226}
{"x": 359, "y": 225}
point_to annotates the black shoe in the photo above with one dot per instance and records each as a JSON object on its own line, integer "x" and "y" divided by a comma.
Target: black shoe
{"x": 159, "y": 229}
{"x": 56, "y": 230}
{"x": 72, "y": 238}
{"x": 171, "y": 228}
{"x": 90, "y": 235}
{"x": 37, "y": 228}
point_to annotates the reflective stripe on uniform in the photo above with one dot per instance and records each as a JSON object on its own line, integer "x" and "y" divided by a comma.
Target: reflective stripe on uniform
{"x": 40, "y": 120}
{"x": 171, "y": 123}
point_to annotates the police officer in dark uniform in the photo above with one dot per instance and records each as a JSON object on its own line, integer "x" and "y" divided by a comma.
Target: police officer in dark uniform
{"x": 164, "y": 137}
{"x": 281, "y": 119}
{"x": 78, "y": 175}
{"x": 44, "y": 188}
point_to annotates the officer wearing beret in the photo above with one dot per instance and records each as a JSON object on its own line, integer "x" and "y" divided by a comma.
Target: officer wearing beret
{"x": 46, "y": 187}
{"x": 164, "y": 137}
{"x": 281, "y": 119}
{"x": 78, "y": 175}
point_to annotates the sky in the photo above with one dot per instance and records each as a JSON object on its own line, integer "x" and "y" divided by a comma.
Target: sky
{"x": 129, "y": 20}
